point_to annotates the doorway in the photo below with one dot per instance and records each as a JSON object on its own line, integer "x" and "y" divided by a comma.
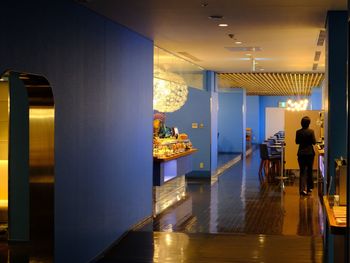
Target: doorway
{"x": 27, "y": 160}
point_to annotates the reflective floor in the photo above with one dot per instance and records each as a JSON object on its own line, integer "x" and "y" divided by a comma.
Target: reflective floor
{"x": 237, "y": 219}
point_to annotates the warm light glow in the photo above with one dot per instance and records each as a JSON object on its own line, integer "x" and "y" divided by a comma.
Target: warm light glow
{"x": 299, "y": 105}
{"x": 238, "y": 42}
{"x": 223, "y": 25}
{"x": 4, "y": 203}
{"x": 169, "y": 92}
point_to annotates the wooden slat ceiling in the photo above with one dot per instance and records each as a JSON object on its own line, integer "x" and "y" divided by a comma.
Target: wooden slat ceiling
{"x": 275, "y": 84}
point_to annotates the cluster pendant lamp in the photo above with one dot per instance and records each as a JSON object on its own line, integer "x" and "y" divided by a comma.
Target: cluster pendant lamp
{"x": 297, "y": 105}
{"x": 169, "y": 91}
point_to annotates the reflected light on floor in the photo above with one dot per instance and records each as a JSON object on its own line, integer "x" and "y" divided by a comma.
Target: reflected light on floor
{"x": 169, "y": 247}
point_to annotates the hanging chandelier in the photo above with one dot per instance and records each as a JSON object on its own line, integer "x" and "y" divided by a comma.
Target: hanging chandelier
{"x": 169, "y": 91}
{"x": 299, "y": 105}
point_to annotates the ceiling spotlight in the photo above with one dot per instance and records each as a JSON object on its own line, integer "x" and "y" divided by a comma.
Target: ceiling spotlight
{"x": 248, "y": 54}
{"x": 238, "y": 42}
{"x": 223, "y": 25}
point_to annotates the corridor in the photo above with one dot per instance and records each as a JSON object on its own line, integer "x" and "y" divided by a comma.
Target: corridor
{"x": 237, "y": 219}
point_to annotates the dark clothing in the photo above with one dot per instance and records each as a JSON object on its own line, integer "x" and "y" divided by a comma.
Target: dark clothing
{"x": 305, "y": 165}
{"x": 306, "y": 139}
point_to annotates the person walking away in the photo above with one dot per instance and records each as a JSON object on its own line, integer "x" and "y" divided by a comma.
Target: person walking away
{"x": 305, "y": 137}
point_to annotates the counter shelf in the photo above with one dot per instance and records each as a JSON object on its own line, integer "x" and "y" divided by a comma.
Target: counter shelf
{"x": 335, "y": 228}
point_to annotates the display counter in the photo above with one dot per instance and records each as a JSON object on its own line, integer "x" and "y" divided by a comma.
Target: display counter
{"x": 320, "y": 171}
{"x": 336, "y": 216}
{"x": 169, "y": 184}
{"x": 336, "y": 228}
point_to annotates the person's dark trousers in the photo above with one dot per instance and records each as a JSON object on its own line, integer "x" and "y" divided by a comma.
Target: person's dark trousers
{"x": 305, "y": 165}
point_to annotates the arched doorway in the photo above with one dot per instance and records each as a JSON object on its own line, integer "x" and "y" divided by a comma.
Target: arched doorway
{"x": 30, "y": 159}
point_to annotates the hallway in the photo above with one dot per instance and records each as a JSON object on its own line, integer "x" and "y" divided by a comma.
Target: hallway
{"x": 234, "y": 220}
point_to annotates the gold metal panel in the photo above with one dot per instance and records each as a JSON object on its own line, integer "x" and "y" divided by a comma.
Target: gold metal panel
{"x": 4, "y": 130}
{"x": 41, "y": 144}
{"x": 3, "y": 150}
{"x": 275, "y": 84}
{"x": 3, "y": 91}
{"x": 4, "y": 116}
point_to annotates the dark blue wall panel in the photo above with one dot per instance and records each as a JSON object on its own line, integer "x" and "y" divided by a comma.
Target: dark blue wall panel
{"x": 101, "y": 75}
{"x": 230, "y": 121}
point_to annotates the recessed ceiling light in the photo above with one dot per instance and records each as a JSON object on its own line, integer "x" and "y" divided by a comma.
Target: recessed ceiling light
{"x": 223, "y": 25}
{"x": 248, "y": 54}
{"x": 238, "y": 42}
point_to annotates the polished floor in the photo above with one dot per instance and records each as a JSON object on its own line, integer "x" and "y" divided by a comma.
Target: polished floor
{"x": 237, "y": 219}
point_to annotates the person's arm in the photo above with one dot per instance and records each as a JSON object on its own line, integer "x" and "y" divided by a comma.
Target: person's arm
{"x": 313, "y": 137}
{"x": 297, "y": 138}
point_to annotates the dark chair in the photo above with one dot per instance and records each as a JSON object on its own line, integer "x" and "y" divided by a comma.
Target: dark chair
{"x": 270, "y": 164}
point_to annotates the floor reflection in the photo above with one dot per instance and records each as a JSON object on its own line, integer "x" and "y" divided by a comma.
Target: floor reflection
{"x": 186, "y": 247}
{"x": 239, "y": 203}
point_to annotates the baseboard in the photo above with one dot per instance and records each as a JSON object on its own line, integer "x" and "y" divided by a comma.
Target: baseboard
{"x": 198, "y": 175}
{"x": 135, "y": 227}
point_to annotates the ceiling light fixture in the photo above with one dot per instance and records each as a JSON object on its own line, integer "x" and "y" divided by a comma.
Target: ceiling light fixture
{"x": 223, "y": 25}
{"x": 248, "y": 54}
{"x": 238, "y": 42}
{"x": 299, "y": 105}
{"x": 169, "y": 91}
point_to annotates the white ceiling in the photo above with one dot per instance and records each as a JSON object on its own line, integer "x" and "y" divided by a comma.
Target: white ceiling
{"x": 285, "y": 30}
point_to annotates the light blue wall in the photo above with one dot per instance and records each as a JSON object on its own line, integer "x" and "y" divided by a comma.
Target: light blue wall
{"x": 195, "y": 110}
{"x": 230, "y": 121}
{"x": 101, "y": 74}
{"x": 212, "y": 86}
{"x": 272, "y": 101}
{"x": 264, "y": 102}
{"x": 253, "y": 116}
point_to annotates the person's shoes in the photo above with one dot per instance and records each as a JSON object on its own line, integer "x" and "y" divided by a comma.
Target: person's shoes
{"x": 303, "y": 193}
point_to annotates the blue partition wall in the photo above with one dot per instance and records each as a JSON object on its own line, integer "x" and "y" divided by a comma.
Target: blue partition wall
{"x": 101, "y": 75}
{"x": 230, "y": 121}
{"x": 196, "y": 110}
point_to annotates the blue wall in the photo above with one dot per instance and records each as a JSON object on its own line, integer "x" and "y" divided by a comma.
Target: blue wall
{"x": 101, "y": 74}
{"x": 230, "y": 121}
{"x": 195, "y": 110}
{"x": 253, "y": 116}
{"x": 316, "y": 99}
{"x": 212, "y": 87}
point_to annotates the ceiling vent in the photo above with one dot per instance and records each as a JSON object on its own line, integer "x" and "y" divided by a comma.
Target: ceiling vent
{"x": 216, "y": 17}
{"x": 189, "y": 56}
{"x": 243, "y": 49}
{"x": 314, "y": 66}
{"x": 321, "y": 38}
{"x": 317, "y": 55}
